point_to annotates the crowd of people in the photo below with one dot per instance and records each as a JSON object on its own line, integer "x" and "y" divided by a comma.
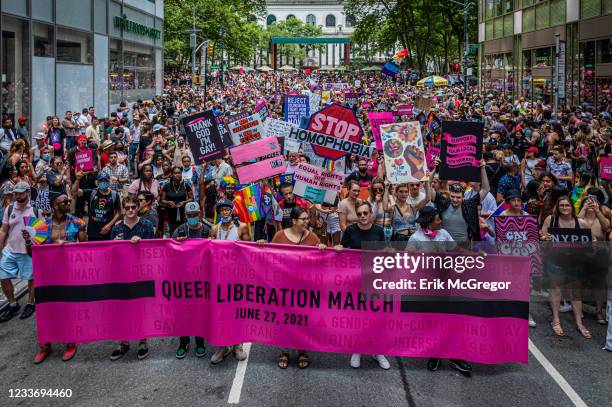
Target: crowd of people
{"x": 144, "y": 183}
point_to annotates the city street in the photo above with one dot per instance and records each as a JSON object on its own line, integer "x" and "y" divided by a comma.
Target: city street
{"x": 571, "y": 371}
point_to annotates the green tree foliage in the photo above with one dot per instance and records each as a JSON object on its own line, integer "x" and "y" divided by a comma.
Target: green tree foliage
{"x": 431, "y": 29}
{"x": 241, "y": 36}
{"x": 292, "y": 28}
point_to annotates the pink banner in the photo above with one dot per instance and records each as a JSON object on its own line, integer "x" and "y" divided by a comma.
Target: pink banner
{"x": 462, "y": 149}
{"x": 467, "y": 139}
{"x": 83, "y": 160}
{"x": 461, "y": 161}
{"x": 376, "y": 120}
{"x": 431, "y": 155}
{"x": 404, "y": 109}
{"x": 288, "y": 296}
{"x": 255, "y": 149}
{"x": 263, "y": 169}
{"x": 605, "y": 167}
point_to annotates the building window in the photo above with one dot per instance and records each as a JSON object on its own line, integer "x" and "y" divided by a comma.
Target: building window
{"x": 557, "y": 12}
{"x": 74, "y": 46}
{"x": 311, "y": 19}
{"x": 489, "y": 8}
{"x": 508, "y": 25}
{"x": 271, "y": 19}
{"x": 542, "y": 16}
{"x": 15, "y": 68}
{"x": 489, "y": 30}
{"x": 330, "y": 20}
{"x": 590, "y": 8}
{"x": 604, "y": 51}
{"x": 498, "y": 28}
{"x": 607, "y": 8}
{"x": 350, "y": 21}
{"x": 528, "y": 19}
{"x": 43, "y": 39}
{"x": 290, "y": 16}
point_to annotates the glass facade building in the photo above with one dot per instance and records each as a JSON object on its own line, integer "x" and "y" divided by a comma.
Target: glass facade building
{"x": 59, "y": 55}
{"x": 517, "y": 49}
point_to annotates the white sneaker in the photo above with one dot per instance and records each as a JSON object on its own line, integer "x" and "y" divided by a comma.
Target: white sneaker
{"x": 355, "y": 360}
{"x": 565, "y": 307}
{"x": 239, "y": 353}
{"x": 382, "y": 362}
{"x": 532, "y": 323}
{"x": 221, "y": 354}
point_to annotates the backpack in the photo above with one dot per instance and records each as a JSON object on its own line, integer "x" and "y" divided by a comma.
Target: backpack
{"x": 11, "y": 207}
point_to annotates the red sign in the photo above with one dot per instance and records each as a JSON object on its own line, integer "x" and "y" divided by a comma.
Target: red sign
{"x": 605, "y": 167}
{"x": 335, "y": 121}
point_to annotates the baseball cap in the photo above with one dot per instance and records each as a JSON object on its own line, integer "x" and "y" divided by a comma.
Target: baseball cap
{"x": 157, "y": 127}
{"x": 192, "y": 207}
{"x": 21, "y": 187}
{"x": 533, "y": 149}
{"x": 103, "y": 176}
{"x": 426, "y": 213}
{"x": 22, "y": 119}
{"x": 40, "y": 136}
{"x": 513, "y": 193}
{"x": 224, "y": 203}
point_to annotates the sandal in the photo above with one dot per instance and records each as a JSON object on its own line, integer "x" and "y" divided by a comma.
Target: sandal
{"x": 601, "y": 319}
{"x": 584, "y": 332}
{"x": 283, "y": 360}
{"x": 303, "y": 360}
{"x": 557, "y": 329}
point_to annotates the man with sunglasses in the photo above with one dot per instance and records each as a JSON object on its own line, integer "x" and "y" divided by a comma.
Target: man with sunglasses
{"x": 132, "y": 228}
{"x": 63, "y": 228}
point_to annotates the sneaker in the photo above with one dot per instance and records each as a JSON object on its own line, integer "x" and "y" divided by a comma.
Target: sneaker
{"x": 9, "y": 312}
{"x": 433, "y": 364}
{"x": 532, "y": 323}
{"x": 42, "y": 355}
{"x": 121, "y": 350}
{"x": 239, "y": 353}
{"x": 460, "y": 365}
{"x": 70, "y": 351}
{"x": 382, "y": 362}
{"x": 143, "y": 350}
{"x": 181, "y": 352}
{"x": 200, "y": 348}
{"x": 220, "y": 355}
{"x": 355, "y": 360}
{"x": 27, "y": 312}
{"x": 565, "y": 307}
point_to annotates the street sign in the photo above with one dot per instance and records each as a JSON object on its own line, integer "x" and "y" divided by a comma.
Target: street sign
{"x": 335, "y": 121}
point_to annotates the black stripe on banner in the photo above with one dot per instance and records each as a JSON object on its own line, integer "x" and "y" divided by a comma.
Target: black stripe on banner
{"x": 95, "y": 292}
{"x": 482, "y": 308}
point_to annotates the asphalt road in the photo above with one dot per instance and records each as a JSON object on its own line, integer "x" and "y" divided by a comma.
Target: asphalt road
{"x": 161, "y": 379}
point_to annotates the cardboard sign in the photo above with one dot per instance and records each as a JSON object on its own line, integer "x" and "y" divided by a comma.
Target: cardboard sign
{"x": 351, "y": 99}
{"x": 262, "y": 108}
{"x": 246, "y": 129}
{"x": 316, "y": 184}
{"x": 431, "y": 155}
{"x": 404, "y": 152}
{"x": 605, "y": 167}
{"x": 341, "y": 125}
{"x": 461, "y": 151}
{"x": 295, "y": 107}
{"x": 366, "y": 104}
{"x": 404, "y": 110}
{"x": 203, "y": 135}
{"x": 314, "y": 101}
{"x": 326, "y": 96}
{"x": 83, "y": 160}
{"x": 519, "y": 236}
{"x": 376, "y": 120}
{"x": 281, "y": 129}
{"x": 336, "y": 146}
{"x": 224, "y": 132}
{"x": 273, "y": 163}
{"x": 570, "y": 236}
{"x": 424, "y": 104}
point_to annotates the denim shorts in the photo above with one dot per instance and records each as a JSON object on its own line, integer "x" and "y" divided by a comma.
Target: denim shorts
{"x": 15, "y": 265}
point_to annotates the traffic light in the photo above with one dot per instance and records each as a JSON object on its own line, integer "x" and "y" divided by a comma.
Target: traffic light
{"x": 210, "y": 49}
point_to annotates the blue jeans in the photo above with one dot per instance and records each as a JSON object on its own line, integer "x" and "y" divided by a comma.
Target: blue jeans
{"x": 132, "y": 156}
{"x": 608, "y": 345}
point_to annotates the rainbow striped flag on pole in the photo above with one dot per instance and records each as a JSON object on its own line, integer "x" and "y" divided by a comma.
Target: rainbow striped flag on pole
{"x": 247, "y": 203}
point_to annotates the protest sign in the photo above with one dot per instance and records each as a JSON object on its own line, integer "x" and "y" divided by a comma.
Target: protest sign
{"x": 314, "y": 101}
{"x": 376, "y": 120}
{"x": 570, "y": 236}
{"x": 281, "y": 129}
{"x": 285, "y": 296}
{"x": 404, "y": 110}
{"x": 351, "y": 99}
{"x": 424, "y": 104}
{"x": 237, "y": 116}
{"x": 83, "y": 160}
{"x": 404, "y": 152}
{"x": 326, "y": 96}
{"x": 366, "y": 104}
{"x": 333, "y": 146}
{"x": 605, "y": 167}
{"x": 295, "y": 107}
{"x": 246, "y": 129}
{"x": 270, "y": 162}
{"x": 340, "y": 86}
{"x": 339, "y": 165}
{"x": 461, "y": 151}
{"x": 262, "y": 108}
{"x": 224, "y": 132}
{"x": 203, "y": 136}
{"x": 519, "y": 236}
{"x": 341, "y": 125}
{"x": 316, "y": 184}
{"x": 42, "y": 200}
{"x": 431, "y": 155}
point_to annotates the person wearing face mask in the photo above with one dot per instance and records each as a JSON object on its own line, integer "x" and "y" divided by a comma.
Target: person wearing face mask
{"x": 181, "y": 150}
{"x": 40, "y": 142}
{"x": 44, "y": 162}
{"x": 104, "y": 207}
{"x": 15, "y": 262}
{"x": 362, "y": 175}
{"x": 62, "y": 228}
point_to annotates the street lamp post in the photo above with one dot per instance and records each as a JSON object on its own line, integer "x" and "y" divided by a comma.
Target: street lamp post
{"x": 222, "y": 34}
{"x": 192, "y": 44}
{"x": 466, "y": 5}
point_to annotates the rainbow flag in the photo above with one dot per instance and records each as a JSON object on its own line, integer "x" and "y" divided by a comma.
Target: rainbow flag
{"x": 329, "y": 165}
{"x": 247, "y": 203}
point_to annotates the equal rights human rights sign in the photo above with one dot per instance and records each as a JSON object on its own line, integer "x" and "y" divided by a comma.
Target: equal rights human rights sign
{"x": 280, "y": 295}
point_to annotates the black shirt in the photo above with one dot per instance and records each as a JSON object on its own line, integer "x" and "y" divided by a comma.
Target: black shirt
{"x": 185, "y": 231}
{"x": 354, "y": 236}
{"x": 102, "y": 209}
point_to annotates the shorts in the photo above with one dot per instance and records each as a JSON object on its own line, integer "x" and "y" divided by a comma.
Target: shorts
{"x": 15, "y": 265}
{"x": 333, "y": 223}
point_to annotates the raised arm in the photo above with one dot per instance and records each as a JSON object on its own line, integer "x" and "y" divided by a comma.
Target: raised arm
{"x": 484, "y": 185}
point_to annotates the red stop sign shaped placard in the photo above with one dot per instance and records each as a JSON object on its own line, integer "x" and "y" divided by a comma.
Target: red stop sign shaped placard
{"x": 336, "y": 121}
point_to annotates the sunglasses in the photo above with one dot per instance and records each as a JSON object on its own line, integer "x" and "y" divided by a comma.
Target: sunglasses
{"x": 363, "y": 213}
{"x": 130, "y": 208}
{"x": 378, "y": 190}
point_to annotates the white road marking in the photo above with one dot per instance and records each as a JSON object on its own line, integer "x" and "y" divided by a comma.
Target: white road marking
{"x": 236, "y": 390}
{"x": 554, "y": 373}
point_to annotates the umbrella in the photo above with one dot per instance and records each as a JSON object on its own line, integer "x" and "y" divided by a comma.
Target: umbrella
{"x": 327, "y": 68}
{"x": 432, "y": 81}
{"x": 264, "y": 68}
{"x": 287, "y": 68}
{"x": 371, "y": 68}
